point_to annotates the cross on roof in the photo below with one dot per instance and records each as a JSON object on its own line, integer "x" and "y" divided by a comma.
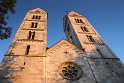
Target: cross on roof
{"x": 66, "y": 52}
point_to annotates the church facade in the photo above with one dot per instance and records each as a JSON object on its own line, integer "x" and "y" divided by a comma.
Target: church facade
{"x": 83, "y": 57}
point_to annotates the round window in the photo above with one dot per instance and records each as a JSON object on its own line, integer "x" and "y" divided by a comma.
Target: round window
{"x": 70, "y": 71}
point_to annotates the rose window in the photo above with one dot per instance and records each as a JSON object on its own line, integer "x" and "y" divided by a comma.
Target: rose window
{"x": 70, "y": 71}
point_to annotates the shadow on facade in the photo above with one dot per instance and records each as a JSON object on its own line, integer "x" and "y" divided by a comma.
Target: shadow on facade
{"x": 8, "y": 69}
{"x": 98, "y": 64}
{"x": 5, "y": 74}
{"x": 102, "y": 65}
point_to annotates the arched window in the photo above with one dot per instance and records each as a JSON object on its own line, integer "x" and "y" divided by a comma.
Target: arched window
{"x": 109, "y": 67}
{"x": 27, "y": 49}
{"x": 36, "y": 17}
{"x": 79, "y": 21}
{"x": 90, "y": 38}
{"x": 33, "y": 17}
{"x": 31, "y": 35}
{"x": 34, "y": 25}
{"x": 84, "y": 29}
{"x": 39, "y": 17}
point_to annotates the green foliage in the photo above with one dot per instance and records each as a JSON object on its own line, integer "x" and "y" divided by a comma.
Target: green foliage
{"x": 5, "y": 7}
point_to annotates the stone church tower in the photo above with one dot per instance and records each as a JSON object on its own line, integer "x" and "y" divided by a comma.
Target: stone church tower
{"x": 83, "y": 58}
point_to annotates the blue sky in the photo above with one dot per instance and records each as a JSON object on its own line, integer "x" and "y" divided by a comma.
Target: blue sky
{"x": 106, "y": 16}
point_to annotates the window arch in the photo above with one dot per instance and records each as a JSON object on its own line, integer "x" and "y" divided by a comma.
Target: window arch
{"x": 27, "y": 49}
{"x": 36, "y": 17}
{"x": 84, "y": 29}
{"x": 90, "y": 38}
{"x": 79, "y": 20}
{"x": 31, "y": 35}
{"x": 109, "y": 67}
{"x": 34, "y": 25}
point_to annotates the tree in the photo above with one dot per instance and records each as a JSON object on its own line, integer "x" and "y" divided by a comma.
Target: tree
{"x": 6, "y": 6}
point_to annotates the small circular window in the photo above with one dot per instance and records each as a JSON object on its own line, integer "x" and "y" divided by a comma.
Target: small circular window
{"x": 70, "y": 71}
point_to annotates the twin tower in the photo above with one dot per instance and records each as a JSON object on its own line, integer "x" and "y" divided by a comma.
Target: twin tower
{"x": 83, "y": 58}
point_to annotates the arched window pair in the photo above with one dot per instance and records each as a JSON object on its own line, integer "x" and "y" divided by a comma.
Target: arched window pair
{"x": 34, "y": 25}
{"x": 31, "y": 35}
{"x": 90, "y": 38}
{"x": 84, "y": 29}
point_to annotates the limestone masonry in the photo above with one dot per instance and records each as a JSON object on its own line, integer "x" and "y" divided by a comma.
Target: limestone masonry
{"x": 83, "y": 58}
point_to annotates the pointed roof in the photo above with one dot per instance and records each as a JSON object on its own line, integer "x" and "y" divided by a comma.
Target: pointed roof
{"x": 74, "y": 13}
{"x": 37, "y": 10}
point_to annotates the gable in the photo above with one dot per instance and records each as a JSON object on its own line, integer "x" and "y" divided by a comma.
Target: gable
{"x": 61, "y": 56}
{"x": 64, "y": 50}
{"x": 37, "y": 10}
{"x": 74, "y": 14}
